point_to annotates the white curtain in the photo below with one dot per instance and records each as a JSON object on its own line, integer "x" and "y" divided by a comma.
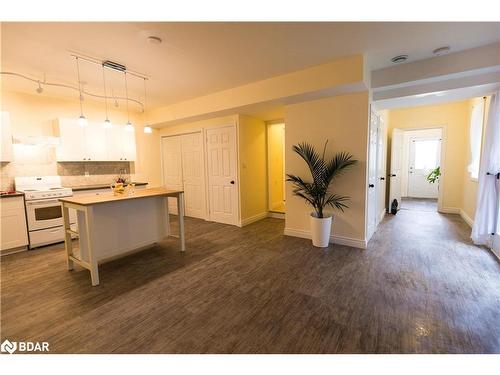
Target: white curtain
{"x": 489, "y": 186}
{"x": 476, "y": 131}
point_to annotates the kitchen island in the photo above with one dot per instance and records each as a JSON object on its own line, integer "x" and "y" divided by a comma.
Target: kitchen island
{"x": 111, "y": 226}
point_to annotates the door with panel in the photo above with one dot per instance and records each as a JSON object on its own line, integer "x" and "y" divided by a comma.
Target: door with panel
{"x": 371, "y": 214}
{"x": 193, "y": 175}
{"x": 172, "y": 167}
{"x": 395, "y": 172}
{"x": 424, "y": 157}
{"x": 222, "y": 172}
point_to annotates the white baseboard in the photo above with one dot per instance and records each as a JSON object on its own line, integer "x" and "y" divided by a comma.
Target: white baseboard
{"x": 466, "y": 218}
{"x": 276, "y": 215}
{"x": 339, "y": 240}
{"x": 450, "y": 210}
{"x": 253, "y": 219}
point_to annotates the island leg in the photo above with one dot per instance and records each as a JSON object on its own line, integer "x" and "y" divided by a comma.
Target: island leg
{"x": 180, "y": 206}
{"x": 68, "y": 243}
{"x": 89, "y": 222}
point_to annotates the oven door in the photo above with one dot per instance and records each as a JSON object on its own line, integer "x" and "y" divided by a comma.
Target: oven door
{"x": 43, "y": 214}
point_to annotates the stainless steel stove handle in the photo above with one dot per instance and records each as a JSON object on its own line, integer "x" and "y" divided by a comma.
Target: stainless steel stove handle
{"x": 42, "y": 202}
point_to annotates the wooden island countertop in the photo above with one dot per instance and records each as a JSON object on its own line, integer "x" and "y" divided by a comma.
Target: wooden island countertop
{"x": 92, "y": 199}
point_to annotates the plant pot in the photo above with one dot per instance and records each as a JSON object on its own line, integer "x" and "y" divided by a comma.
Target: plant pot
{"x": 320, "y": 230}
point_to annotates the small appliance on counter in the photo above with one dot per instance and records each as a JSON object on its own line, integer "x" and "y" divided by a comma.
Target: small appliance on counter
{"x": 43, "y": 209}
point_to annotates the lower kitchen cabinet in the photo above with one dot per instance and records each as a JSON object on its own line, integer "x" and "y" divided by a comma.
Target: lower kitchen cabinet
{"x": 14, "y": 233}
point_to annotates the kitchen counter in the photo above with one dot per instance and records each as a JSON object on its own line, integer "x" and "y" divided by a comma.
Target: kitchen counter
{"x": 99, "y": 186}
{"x": 10, "y": 195}
{"x": 111, "y": 226}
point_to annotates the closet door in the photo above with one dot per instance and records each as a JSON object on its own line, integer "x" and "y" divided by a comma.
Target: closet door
{"x": 222, "y": 171}
{"x": 172, "y": 167}
{"x": 193, "y": 173}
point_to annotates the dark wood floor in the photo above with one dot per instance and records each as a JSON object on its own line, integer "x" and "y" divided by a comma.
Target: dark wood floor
{"x": 420, "y": 287}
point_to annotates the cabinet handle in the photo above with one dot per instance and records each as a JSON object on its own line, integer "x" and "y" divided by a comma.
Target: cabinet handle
{"x": 84, "y": 158}
{"x": 371, "y": 185}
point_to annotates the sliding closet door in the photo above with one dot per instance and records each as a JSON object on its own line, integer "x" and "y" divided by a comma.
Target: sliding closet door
{"x": 193, "y": 173}
{"x": 222, "y": 171}
{"x": 172, "y": 167}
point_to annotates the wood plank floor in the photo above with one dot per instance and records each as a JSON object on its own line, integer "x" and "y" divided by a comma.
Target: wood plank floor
{"x": 420, "y": 287}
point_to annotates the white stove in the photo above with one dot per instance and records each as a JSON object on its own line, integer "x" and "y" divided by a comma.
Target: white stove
{"x": 43, "y": 209}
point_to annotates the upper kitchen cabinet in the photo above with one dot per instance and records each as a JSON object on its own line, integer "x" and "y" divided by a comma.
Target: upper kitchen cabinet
{"x": 6, "y": 151}
{"x": 93, "y": 142}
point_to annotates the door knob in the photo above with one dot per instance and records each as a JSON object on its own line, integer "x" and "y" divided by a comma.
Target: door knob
{"x": 392, "y": 175}
{"x": 382, "y": 178}
{"x": 371, "y": 185}
{"x": 232, "y": 182}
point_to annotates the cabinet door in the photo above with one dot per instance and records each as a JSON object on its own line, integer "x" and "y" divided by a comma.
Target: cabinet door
{"x": 13, "y": 223}
{"x": 6, "y": 151}
{"x": 72, "y": 136}
{"x": 129, "y": 152}
{"x": 114, "y": 143}
{"x": 95, "y": 142}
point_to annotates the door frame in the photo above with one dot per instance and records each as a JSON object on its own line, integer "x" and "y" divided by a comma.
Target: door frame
{"x": 443, "y": 128}
{"x": 268, "y": 166}
{"x": 178, "y": 134}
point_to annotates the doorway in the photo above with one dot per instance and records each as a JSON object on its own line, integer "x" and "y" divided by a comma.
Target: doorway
{"x": 416, "y": 169}
{"x": 276, "y": 167}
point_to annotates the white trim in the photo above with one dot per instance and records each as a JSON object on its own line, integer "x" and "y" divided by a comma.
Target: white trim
{"x": 449, "y": 210}
{"x": 339, "y": 240}
{"x": 253, "y": 219}
{"x": 276, "y": 215}
{"x": 466, "y": 218}
{"x": 382, "y": 215}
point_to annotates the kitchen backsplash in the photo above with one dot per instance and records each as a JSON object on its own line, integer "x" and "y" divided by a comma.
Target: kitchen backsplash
{"x": 40, "y": 161}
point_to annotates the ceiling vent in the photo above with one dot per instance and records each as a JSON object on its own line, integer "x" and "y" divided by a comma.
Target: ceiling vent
{"x": 441, "y": 51}
{"x": 114, "y": 65}
{"x": 399, "y": 59}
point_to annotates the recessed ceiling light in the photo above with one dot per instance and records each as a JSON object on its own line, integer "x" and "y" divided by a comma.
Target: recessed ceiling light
{"x": 399, "y": 59}
{"x": 441, "y": 51}
{"x": 154, "y": 40}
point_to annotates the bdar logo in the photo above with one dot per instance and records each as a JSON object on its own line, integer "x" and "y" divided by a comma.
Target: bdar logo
{"x": 8, "y": 346}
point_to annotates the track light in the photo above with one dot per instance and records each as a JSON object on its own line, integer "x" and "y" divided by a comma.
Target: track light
{"x": 82, "y": 120}
{"x": 107, "y": 124}
{"x": 147, "y": 129}
{"x": 39, "y": 88}
{"x": 129, "y": 127}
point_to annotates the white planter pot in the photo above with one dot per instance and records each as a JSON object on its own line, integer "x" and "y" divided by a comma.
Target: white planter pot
{"x": 320, "y": 230}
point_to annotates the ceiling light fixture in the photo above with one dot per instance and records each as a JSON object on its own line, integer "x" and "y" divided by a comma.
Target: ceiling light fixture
{"x": 107, "y": 123}
{"x": 128, "y": 126}
{"x": 399, "y": 59}
{"x": 154, "y": 39}
{"x": 441, "y": 51}
{"x": 82, "y": 120}
{"x": 39, "y": 88}
{"x": 147, "y": 128}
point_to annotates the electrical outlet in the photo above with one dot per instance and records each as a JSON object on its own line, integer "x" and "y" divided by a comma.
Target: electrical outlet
{"x": 87, "y": 174}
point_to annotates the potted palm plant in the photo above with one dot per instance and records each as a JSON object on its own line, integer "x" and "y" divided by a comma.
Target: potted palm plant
{"x": 317, "y": 193}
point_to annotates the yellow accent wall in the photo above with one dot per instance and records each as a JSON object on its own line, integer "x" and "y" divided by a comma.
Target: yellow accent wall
{"x": 275, "y": 152}
{"x": 459, "y": 189}
{"x": 33, "y": 115}
{"x": 343, "y": 120}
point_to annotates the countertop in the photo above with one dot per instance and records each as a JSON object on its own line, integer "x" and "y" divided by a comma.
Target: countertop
{"x": 16, "y": 194}
{"x": 99, "y": 186}
{"x": 90, "y": 199}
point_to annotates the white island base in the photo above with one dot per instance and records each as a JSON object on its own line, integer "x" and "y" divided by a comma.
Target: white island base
{"x": 112, "y": 226}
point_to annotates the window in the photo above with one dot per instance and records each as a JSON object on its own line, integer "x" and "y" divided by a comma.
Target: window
{"x": 476, "y": 133}
{"x": 426, "y": 154}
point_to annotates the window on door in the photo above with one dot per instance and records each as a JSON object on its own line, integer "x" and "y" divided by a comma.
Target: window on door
{"x": 426, "y": 154}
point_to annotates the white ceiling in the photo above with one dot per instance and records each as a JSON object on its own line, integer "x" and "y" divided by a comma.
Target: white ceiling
{"x": 200, "y": 58}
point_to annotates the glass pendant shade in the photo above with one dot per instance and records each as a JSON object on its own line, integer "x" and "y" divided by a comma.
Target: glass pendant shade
{"x": 82, "y": 120}
{"x": 107, "y": 124}
{"x": 147, "y": 129}
{"x": 129, "y": 127}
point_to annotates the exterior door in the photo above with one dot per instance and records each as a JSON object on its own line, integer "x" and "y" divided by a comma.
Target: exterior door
{"x": 222, "y": 172}
{"x": 193, "y": 173}
{"x": 172, "y": 167}
{"x": 395, "y": 172}
{"x": 372, "y": 177}
{"x": 424, "y": 156}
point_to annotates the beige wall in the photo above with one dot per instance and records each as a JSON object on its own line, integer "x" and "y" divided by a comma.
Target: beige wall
{"x": 343, "y": 120}
{"x": 33, "y": 115}
{"x": 275, "y": 152}
{"x": 253, "y": 174}
{"x": 460, "y": 190}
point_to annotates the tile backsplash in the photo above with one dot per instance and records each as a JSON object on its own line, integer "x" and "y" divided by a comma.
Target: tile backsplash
{"x": 40, "y": 161}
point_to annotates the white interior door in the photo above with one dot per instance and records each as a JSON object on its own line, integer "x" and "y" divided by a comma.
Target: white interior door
{"x": 424, "y": 156}
{"x": 193, "y": 173}
{"x": 372, "y": 178}
{"x": 222, "y": 172}
{"x": 395, "y": 172}
{"x": 495, "y": 246}
{"x": 172, "y": 167}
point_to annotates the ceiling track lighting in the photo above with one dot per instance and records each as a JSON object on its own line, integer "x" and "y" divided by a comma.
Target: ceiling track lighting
{"x": 128, "y": 126}
{"x": 82, "y": 120}
{"x": 107, "y": 123}
{"x": 147, "y": 128}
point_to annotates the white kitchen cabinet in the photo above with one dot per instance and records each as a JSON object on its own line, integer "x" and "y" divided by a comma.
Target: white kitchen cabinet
{"x": 93, "y": 142}
{"x": 14, "y": 233}
{"x": 6, "y": 151}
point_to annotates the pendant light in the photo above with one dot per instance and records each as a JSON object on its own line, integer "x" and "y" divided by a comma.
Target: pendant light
{"x": 107, "y": 124}
{"x": 147, "y": 128}
{"x": 128, "y": 126}
{"x": 82, "y": 120}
